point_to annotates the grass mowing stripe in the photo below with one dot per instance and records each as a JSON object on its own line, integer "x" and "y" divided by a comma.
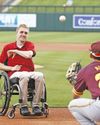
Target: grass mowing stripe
{"x": 54, "y": 37}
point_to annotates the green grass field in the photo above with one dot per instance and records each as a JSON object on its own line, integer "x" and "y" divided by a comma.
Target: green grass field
{"x": 55, "y": 63}
{"x": 59, "y": 2}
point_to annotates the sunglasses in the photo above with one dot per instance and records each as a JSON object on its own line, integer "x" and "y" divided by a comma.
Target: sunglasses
{"x": 23, "y": 32}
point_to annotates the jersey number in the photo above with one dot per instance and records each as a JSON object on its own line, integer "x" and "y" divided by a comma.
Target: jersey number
{"x": 97, "y": 78}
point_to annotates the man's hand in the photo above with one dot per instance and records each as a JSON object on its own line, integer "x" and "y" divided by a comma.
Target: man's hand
{"x": 16, "y": 68}
{"x": 11, "y": 53}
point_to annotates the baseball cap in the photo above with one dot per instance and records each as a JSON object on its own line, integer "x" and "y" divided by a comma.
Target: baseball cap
{"x": 95, "y": 49}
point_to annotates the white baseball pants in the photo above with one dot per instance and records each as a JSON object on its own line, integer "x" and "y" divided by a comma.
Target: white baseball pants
{"x": 86, "y": 111}
{"x": 23, "y": 84}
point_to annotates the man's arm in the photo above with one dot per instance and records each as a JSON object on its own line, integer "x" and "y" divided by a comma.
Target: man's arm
{"x": 76, "y": 94}
{"x": 9, "y": 68}
{"x": 25, "y": 54}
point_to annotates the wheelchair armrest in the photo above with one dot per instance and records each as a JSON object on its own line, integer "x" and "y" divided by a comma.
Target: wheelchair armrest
{"x": 14, "y": 81}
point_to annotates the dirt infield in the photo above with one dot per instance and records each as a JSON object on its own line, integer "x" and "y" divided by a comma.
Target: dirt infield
{"x": 57, "y": 116}
{"x": 62, "y": 47}
{"x": 58, "y": 47}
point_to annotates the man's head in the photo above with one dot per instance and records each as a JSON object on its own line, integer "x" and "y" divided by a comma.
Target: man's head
{"x": 22, "y": 33}
{"x": 95, "y": 50}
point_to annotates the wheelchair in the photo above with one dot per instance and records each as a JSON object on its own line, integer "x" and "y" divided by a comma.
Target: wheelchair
{"x": 8, "y": 88}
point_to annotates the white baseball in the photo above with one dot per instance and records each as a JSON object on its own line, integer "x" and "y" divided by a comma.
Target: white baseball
{"x": 62, "y": 18}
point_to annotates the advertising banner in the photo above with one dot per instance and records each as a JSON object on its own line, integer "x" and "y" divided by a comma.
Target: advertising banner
{"x": 14, "y": 20}
{"x": 86, "y": 21}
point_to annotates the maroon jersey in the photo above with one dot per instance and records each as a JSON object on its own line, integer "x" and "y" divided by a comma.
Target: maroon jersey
{"x": 89, "y": 78}
{"x": 27, "y": 64}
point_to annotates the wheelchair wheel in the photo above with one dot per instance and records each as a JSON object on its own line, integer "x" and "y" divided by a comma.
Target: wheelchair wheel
{"x": 4, "y": 93}
{"x": 11, "y": 114}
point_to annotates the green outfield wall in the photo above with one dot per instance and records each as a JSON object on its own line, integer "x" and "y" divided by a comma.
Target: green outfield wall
{"x": 50, "y": 21}
{"x": 73, "y": 22}
{"x": 46, "y": 18}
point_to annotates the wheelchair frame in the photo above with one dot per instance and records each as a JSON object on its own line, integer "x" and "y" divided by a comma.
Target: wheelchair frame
{"x": 7, "y": 88}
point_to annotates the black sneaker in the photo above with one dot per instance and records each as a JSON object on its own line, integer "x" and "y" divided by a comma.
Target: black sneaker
{"x": 36, "y": 111}
{"x": 24, "y": 111}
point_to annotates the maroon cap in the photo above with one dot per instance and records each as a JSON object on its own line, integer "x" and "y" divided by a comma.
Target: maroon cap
{"x": 95, "y": 49}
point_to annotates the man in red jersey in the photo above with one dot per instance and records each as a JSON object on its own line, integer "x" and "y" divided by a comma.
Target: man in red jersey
{"x": 87, "y": 111}
{"x": 16, "y": 59}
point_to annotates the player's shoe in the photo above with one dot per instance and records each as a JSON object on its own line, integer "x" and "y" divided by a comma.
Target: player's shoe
{"x": 24, "y": 111}
{"x": 36, "y": 111}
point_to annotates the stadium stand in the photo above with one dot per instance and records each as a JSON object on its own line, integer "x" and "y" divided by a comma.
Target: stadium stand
{"x": 7, "y": 3}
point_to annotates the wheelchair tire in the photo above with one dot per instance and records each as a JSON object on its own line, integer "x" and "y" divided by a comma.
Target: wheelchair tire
{"x": 4, "y": 93}
{"x": 11, "y": 114}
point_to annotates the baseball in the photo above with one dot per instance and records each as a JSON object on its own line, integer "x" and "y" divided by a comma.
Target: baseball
{"x": 62, "y": 18}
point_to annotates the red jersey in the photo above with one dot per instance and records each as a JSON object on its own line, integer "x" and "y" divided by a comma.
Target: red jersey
{"x": 89, "y": 78}
{"x": 27, "y": 64}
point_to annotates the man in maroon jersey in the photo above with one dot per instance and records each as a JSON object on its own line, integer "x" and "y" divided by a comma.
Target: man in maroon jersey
{"x": 16, "y": 59}
{"x": 87, "y": 111}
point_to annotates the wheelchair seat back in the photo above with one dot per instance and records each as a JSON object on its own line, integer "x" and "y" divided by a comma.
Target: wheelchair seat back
{"x": 31, "y": 87}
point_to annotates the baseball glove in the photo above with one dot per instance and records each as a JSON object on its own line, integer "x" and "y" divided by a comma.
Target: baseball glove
{"x": 72, "y": 71}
